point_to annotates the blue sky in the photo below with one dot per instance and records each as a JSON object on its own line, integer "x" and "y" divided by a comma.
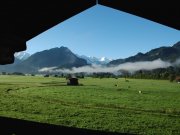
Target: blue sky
{"x": 105, "y": 32}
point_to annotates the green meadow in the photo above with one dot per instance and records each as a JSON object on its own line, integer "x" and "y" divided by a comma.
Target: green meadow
{"x": 106, "y": 104}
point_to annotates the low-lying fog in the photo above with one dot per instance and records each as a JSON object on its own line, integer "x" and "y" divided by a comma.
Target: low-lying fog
{"x": 129, "y": 66}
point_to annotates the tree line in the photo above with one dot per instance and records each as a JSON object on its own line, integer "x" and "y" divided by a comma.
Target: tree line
{"x": 170, "y": 73}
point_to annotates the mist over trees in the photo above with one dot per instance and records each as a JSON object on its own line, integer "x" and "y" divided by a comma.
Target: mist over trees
{"x": 169, "y": 73}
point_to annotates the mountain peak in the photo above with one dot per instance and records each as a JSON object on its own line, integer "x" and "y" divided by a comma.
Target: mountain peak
{"x": 22, "y": 55}
{"x": 102, "y": 58}
{"x": 95, "y": 60}
{"x": 177, "y": 45}
{"x": 140, "y": 54}
{"x": 67, "y": 50}
{"x": 63, "y": 47}
{"x": 165, "y": 53}
{"x": 56, "y": 50}
{"x": 58, "y": 56}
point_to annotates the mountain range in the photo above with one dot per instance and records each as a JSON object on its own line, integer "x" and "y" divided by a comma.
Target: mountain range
{"x": 22, "y": 55}
{"x": 64, "y": 58}
{"x": 56, "y": 57}
{"x": 165, "y": 53}
{"x": 95, "y": 60}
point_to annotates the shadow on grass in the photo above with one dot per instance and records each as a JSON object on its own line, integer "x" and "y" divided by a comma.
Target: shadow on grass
{"x": 12, "y": 126}
{"x": 61, "y": 84}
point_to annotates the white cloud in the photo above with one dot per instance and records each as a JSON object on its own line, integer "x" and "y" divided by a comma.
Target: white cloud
{"x": 130, "y": 66}
{"x": 177, "y": 62}
{"x": 46, "y": 69}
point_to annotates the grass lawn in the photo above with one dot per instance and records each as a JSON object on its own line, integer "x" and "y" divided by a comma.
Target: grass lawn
{"x": 102, "y": 104}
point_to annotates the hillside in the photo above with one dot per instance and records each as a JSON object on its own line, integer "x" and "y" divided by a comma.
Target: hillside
{"x": 55, "y": 57}
{"x": 95, "y": 60}
{"x": 170, "y": 54}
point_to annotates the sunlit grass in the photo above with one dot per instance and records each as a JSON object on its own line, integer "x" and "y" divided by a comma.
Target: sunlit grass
{"x": 103, "y": 104}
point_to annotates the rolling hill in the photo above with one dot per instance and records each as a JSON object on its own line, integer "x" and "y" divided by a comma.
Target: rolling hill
{"x": 171, "y": 54}
{"x": 55, "y": 57}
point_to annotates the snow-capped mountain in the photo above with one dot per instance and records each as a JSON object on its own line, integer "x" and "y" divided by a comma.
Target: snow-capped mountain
{"x": 95, "y": 60}
{"x": 22, "y": 55}
{"x": 104, "y": 59}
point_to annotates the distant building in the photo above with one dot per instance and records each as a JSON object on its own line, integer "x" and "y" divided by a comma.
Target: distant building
{"x": 46, "y": 75}
{"x": 178, "y": 79}
{"x": 72, "y": 81}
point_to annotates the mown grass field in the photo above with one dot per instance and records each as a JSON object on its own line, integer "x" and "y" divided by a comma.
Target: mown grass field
{"x": 98, "y": 104}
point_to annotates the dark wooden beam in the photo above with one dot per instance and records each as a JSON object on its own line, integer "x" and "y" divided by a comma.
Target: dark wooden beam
{"x": 165, "y": 12}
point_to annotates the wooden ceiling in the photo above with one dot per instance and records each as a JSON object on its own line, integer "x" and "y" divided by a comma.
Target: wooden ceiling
{"x": 22, "y": 20}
